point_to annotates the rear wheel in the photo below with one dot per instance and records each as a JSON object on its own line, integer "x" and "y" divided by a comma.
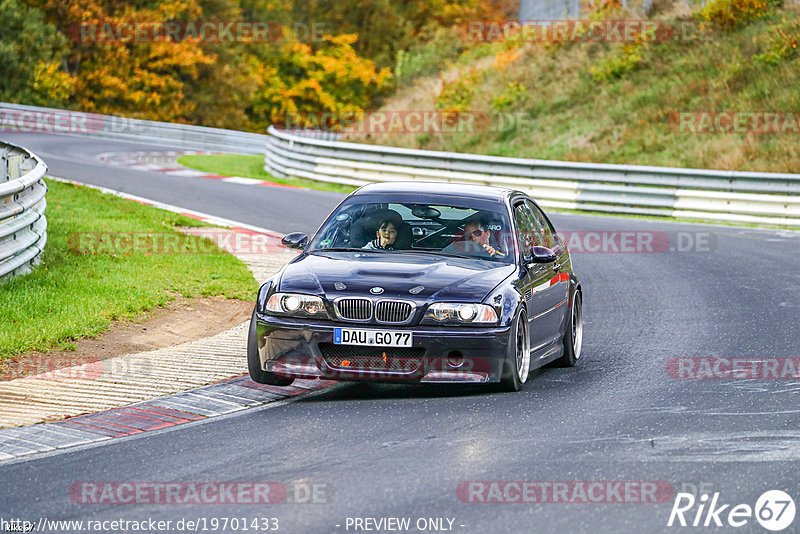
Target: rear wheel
{"x": 257, "y": 374}
{"x": 573, "y": 337}
{"x": 517, "y": 364}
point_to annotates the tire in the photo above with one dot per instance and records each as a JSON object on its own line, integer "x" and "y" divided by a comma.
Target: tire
{"x": 573, "y": 337}
{"x": 517, "y": 363}
{"x": 257, "y": 374}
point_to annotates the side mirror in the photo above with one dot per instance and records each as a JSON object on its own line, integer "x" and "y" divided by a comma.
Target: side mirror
{"x": 296, "y": 240}
{"x": 540, "y": 255}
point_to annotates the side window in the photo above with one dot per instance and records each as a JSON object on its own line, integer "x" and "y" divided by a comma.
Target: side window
{"x": 543, "y": 226}
{"x": 529, "y": 234}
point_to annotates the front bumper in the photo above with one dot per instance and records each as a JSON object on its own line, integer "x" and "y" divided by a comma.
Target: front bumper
{"x": 305, "y": 349}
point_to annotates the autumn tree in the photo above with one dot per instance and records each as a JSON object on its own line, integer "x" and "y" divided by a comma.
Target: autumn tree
{"x": 340, "y": 66}
{"x": 136, "y": 78}
{"x": 31, "y": 52}
{"x": 305, "y": 81}
{"x": 384, "y": 27}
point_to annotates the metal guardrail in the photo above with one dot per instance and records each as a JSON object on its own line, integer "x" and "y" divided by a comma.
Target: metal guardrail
{"x": 19, "y": 118}
{"x": 729, "y": 196}
{"x": 23, "y": 226}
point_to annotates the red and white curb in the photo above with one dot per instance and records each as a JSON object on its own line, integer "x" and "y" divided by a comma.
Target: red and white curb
{"x": 231, "y": 395}
{"x": 167, "y": 163}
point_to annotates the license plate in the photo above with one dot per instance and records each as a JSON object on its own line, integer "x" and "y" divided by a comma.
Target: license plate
{"x": 376, "y": 338}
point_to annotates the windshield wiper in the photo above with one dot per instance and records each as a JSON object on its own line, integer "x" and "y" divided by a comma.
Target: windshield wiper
{"x": 344, "y": 249}
{"x": 413, "y": 251}
{"x": 449, "y": 254}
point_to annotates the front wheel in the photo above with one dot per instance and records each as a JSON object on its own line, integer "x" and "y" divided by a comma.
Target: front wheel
{"x": 517, "y": 364}
{"x": 573, "y": 337}
{"x": 257, "y": 374}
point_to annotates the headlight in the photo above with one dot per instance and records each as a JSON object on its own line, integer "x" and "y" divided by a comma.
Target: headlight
{"x": 295, "y": 304}
{"x": 465, "y": 313}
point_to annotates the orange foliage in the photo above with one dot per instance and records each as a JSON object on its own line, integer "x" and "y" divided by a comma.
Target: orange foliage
{"x": 305, "y": 82}
{"x": 728, "y": 14}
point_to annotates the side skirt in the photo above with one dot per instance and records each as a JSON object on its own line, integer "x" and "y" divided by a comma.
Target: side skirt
{"x": 546, "y": 354}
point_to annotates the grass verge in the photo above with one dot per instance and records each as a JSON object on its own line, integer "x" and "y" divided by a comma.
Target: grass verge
{"x": 561, "y": 102}
{"x": 251, "y": 166}
{"x": 75, "y": 294}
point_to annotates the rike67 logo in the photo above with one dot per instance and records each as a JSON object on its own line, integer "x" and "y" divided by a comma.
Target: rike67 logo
{"x": 774, "y": 510}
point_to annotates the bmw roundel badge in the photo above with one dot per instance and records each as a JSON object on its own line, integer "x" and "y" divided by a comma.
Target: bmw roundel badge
{"x": 376, "y": 290}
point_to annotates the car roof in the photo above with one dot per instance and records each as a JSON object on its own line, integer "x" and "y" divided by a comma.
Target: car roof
{"x": 436, "y": 189}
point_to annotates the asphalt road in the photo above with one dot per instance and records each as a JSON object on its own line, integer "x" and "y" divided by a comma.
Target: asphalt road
{"x": 277, "y": 208}
{"x": 384, "y": 451}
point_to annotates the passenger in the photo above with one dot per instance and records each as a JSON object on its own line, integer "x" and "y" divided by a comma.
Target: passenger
{"x": 385, "y": 236}
{"x": 475, "y": 243}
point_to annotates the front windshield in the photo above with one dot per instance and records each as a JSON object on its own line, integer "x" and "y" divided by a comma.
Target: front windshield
{"x": 464, "y": 228}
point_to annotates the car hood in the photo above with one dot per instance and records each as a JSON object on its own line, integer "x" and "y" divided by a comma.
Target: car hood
{"x": 432, "y": 278}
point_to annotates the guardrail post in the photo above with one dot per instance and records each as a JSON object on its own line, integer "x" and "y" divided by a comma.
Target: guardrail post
{"x": 3, "y": 165}
{"x": 14, "y": 167}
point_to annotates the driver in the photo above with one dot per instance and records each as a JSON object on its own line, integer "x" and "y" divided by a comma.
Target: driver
{"x": 385, "y": 236}
{"x": 475, "y": 242}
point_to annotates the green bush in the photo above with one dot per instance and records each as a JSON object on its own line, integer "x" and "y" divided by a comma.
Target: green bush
{"x": 730, "y": 14}
{"x": 456, "y": 96}
{"x": 513, "y": 94}
{"x": 617, "y": 64}
{"x": 780, "y": 44}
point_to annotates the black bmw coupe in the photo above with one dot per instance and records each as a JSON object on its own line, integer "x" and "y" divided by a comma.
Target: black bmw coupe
{"x": 421, "y": 282}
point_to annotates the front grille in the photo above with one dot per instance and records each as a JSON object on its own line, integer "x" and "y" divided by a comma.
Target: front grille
{"x": 354, "y": 309}
{"x": 402, "y": 360}
{"x": 393, "y": 311}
